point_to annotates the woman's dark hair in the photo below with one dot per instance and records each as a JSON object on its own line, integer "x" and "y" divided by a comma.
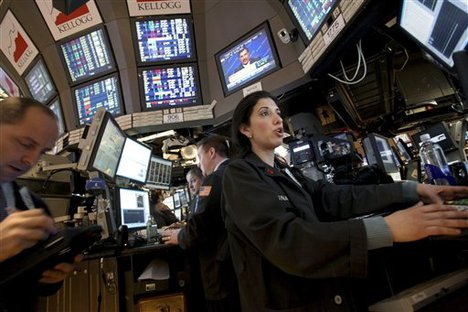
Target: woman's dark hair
{"x": 242, "y": 115}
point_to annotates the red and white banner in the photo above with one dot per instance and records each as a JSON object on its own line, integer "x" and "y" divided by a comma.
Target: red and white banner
{"x": 157, "y": 7}
{"x": 8, "y": 84}
{"x": 62, "y": 25}
{"x": 15, "y": 43}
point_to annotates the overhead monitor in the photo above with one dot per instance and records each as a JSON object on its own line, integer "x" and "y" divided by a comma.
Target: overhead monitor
{"x": 310, "y": 15}
{"x": 378, "y": 151}
{"x": 40, "y": 84}
{"x": 134, "y": 161}
{"x": 164, "y": 39}
{"x": 104, "y": 92}
{"x": 102, "y": 146}
{"x": 87, "y": 56}
{"x": 133, "y": 208}
{"x": 159, "y": 173}
{"x": 8, "y": 85}
{"x": 169, "y": 86}
{"x": 57, "y": 109}
{"x": 248, "y": 59}
{"x": 439, "y": 134}
{"x": 440, "y": 27}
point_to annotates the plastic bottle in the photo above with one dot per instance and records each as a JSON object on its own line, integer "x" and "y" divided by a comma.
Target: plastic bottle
{"x": 151, "y": 230}
{"x": 434, "y": 162}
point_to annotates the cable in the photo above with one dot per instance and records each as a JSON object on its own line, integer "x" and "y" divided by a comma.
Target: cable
{"x": 360, "y": 55}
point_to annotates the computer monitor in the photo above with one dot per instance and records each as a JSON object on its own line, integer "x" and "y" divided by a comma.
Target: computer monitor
{"x": 8, "y": 85}
{"x": 379, "y": 152}
{"x": 57, "y": 109}
{"x": 102, "y": 146}
{"x": 134, "y": 160}
{"x": 87, "y": 56}
{"x": 439, "y": 134}
{"x": 169, "y": 86}
{"x": 310, "y": 15}
{"x": 301, "y": 152}
{"x": 39, "y": 82}
{"x": 104, "y": 92}
{"x": 133, "y": 207}
{"x": 440, "y": 27}
{"x": 248, "y": 59}
{"x": 159, "y": 173}
{"x": 163, "y": 39}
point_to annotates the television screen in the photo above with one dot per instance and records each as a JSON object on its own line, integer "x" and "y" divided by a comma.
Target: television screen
{"x": 301, "y": 152}
{"x": 102, "y": 146}
{"x": 441, "y": 27}
{"x": 378, "y": 151}
{"x": 57, "y": 109}
{"x": 8, "y": 85}
{"x": 164, "y": 39}
{"x": 100, "y": 93}
{"x": 87, "y": 56}
{"x": 134, "y": 207}
{"x": 39, "y": 83}
{"x": 248, "y": 59}
{"x": 439, "y": 134}
{"x": 134, "y": 161}
{"x": 309, "y": 15}
{"x": 169, "y": 86}
{"x": 159, "y": 173}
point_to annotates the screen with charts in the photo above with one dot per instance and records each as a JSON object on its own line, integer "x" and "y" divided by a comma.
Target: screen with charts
{"x": 164, "y": 39}
{"x": 247, "y": 60}
{"x": 309, "y": 15}
{"x": 39, "y": 83}
{"x": 134, "y": 207}
{"x": 159, "y": 173}
{"x": 87, "y": 56}
{"x": 134, "y": 161}
{"x": 57, "y": 109}
{"x": 441, "y": 27}
{"x": 101, "y": 93}
{"x": 169, "y": 86}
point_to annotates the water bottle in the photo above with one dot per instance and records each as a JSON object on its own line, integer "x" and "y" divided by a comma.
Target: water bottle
{"x": 434, "y": 162}
{"x": 151, "y": 230}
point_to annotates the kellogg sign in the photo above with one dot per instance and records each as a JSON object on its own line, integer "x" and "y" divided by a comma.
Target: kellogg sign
{"x": 157, "y": 7}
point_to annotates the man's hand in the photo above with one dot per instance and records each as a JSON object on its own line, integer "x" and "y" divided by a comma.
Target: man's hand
{"x": 59, "y": 272}
{"x": 23, "y": 229}
{"x": 169, "y": 236}
{"x": 438, "y": 194}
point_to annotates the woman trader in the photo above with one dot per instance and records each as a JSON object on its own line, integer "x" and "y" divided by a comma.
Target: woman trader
{"x": 293, "y": 241}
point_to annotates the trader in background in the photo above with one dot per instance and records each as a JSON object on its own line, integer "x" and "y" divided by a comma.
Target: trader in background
{"x": 27, "y": 130}
{"x": 194, "y": 179}
{"x": 206, "y": 232}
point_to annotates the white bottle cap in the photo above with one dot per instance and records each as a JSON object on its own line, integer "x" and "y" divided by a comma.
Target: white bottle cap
{"x": 425, "y": 137}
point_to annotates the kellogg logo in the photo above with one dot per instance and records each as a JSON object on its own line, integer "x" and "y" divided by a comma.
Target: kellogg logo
{"x": 157, "y": 7}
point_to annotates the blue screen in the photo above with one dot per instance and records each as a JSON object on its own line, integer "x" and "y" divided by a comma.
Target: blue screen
{"x": 310, "y": 14}
{"x": 39, "y": 83}
{"x": 170, "y": 86}
{"x": 102, "y": 93}
{"x": 164, "y": 39}
{"x": 87, "y": 56}
{"x": 57, "y": 109}
{"x": 263, "y": 60}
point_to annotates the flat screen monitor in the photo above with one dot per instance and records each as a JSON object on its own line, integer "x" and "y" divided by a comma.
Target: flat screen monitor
{"x": 440, "y": 27}
{"x": 57, "y": 109}
{"x": 164, "y": 39}
{"x": 89, "y": 97}
{"x": 159, "y": 173}
{"x": 247, "y": 59}
{"x": 87, "y": 56}
{"x": 8, "y": 85}
{"x": 39, "y": 82}
{"x": 134, "y": 208}
{"x": 379, "y": 152}
{"x": 169, "y": 86}
{"x": 102, "y": 146}
{"x": 439, "y": 134}
{"x": 134, "y": 161}
{"x": 309, "y": 15}
{"x": 301, "y": 152}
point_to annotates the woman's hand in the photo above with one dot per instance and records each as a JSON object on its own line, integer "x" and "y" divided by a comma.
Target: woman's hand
{"x": 421, "y": 221}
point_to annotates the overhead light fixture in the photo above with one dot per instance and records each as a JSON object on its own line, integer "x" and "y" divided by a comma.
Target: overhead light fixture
{"x": 189, "y": 152}
{"x": 163, "y": 134}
